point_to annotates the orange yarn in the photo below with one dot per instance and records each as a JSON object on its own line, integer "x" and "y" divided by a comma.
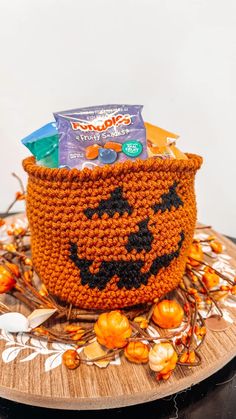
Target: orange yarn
{"x": 113, "y": 236}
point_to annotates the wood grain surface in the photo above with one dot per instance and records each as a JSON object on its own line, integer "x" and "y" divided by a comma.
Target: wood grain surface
{"x": 90, "y": 387}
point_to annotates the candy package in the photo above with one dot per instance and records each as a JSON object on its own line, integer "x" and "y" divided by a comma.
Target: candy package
{"x": 43, "y": 144}
{"x": 100, "y": 135}
{"x": 161, "y": 143}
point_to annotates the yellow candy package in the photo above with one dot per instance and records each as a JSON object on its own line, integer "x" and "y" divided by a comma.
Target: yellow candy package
{"x": 161, "y": 143}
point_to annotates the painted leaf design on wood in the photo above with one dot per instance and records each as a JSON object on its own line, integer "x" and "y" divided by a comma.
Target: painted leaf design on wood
{"x": 53, "y": 361}
{"x": 7, "y": 336}
{"x": 39, "y": 343}
{"x": 61, "y": 346}
{"x": 10, "y": 354}
{"x": 22, "y": 338}
{"x": 30, "y": 357}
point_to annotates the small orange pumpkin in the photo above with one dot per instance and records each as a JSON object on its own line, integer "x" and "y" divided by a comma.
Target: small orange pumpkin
{"x": 168, "y": 314}
{"x": 7, "y": 282}
{"x": 163, "y": 358}
{"x": 112, "y": 329}
{"x": 137, "y": 352}
{"x": 71, "y": 359}
{"x": 195, "y": 255}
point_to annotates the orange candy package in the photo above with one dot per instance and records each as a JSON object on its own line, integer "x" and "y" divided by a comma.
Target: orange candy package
{"x": 161, "y": 143}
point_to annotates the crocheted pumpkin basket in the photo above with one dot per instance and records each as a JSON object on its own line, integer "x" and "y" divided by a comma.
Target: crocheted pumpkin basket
{"x": 114, "y": 236}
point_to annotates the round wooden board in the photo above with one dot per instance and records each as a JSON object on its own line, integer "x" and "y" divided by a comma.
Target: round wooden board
{"x": 90, "y": 387}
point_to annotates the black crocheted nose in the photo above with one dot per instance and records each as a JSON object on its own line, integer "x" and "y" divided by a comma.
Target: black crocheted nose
{"x": 116, "y": 203}
{"x": 141, "y": 240}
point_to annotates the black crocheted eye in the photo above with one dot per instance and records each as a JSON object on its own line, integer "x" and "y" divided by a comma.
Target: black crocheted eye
{"x": 116, "y": 203}
{"x": 169, "y": 200}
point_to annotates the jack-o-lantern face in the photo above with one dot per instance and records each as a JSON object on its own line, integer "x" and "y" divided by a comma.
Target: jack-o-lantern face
{"x": 115, "y": 236}
{"x": 130, "y": 273}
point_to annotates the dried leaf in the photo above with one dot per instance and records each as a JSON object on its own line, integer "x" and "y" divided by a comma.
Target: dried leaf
{"x": 39, "y": 316}
{"x": 94, "y": 350}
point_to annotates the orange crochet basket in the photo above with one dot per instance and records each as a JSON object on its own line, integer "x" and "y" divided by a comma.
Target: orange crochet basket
{"x": 114, "y": 236}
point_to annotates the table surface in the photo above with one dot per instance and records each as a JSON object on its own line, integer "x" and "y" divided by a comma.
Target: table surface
{"x": 212, "y": 398}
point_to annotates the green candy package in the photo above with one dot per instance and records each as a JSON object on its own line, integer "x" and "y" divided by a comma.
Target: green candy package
{"x": 43, "y": 144}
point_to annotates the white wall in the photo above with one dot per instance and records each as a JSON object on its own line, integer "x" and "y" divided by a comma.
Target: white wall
{"x": 176, "y": 57}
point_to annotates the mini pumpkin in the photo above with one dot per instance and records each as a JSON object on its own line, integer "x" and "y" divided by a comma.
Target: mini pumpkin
{"x": 137, "y": 352}
{"x": 7, "y": 282}
{"x": 163, "y": 358}
{"x": 71, "y": 359}
{"x": 168, "y": 314}
{"x": 112, "y": 329}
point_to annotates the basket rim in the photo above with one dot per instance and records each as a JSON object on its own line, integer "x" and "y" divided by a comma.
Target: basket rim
{"x": 192, "y": 164}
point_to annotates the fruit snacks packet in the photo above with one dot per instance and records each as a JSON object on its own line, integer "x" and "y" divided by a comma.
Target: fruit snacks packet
{"x": 43, "y": 144}
{"x": 161, "y": 143}
{"x": 100, "y": 135}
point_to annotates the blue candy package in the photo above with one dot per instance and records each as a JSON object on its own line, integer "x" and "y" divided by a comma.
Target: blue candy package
{"x": 43, "y": 144}
{"x": 100, "y": 135}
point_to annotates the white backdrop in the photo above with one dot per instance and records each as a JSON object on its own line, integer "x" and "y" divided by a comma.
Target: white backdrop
{"x": 176, "y": 57}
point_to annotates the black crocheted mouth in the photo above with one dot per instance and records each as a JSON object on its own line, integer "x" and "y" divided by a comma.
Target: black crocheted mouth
{"x": 128, "y": 272}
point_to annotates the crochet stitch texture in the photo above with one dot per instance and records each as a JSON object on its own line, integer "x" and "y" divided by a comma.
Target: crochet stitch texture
{"x": 114, "y": 236}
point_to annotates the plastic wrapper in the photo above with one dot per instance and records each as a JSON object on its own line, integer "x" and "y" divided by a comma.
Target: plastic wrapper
{"x": 43, "y": 144}
{"x": 161, "y": 143}
{"x": 100, "y": 135}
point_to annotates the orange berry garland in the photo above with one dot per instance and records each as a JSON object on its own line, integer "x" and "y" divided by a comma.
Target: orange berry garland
{"x": 168, "y": 314}
{"x": 210, "y": 279}
{"x": 2, "y": 222}
{"x": 20, "y": 196}
{"x": 112, "y": 329}
{"x": 233, "y": 290}
{"x": 216, "y": 246}
{"x": 188, "y": 357}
